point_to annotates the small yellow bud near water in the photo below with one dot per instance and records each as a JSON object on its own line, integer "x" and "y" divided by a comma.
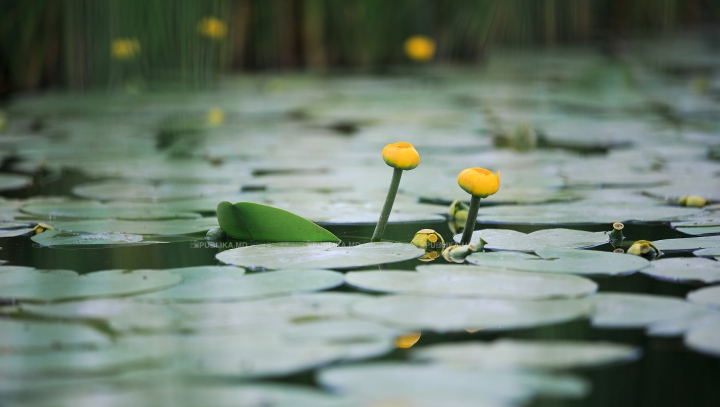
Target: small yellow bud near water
{"x": 213, "y": 28}
{"x": 694, "y": 201}
{"x": 644, "y": 248}
{"x": 407, "y": 341}
{"x": 428, "y": 239}
{"x": 125, "y": 48}
{"x": 401, "y": 155}
{"x": 420, "y": 48}
{"x": 479, "y": 182}
{"x": 41, "y": 227}
{"x": 215, "y": 117}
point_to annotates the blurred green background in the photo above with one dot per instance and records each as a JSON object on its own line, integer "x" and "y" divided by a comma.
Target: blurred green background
{"x": 69, "y": 43}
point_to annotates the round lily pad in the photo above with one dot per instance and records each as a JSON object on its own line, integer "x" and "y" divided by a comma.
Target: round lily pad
{"x": 137, "y": 227}
{"x": 25, "y": 336}
{"x": 528, "y": 354}
{"x": 685, "y": 269}
{"x": 318, "y": 255}
{"x": 112, "y": 210}
{"x": 53, "y": 238}
{"x": 339, "y": 330}
{"x": 229, "y": 284}
{"x": 466, "y": 281}
{"x": 13, "y": 181}
{"x": 15, "y": 232}
{"x": 699, "y": 230}
{"x": 708, "y": 296}
{"x": 708, "y": 252}
{"x": 619, "y": 310}
{"x": 168, "y": 191}
{"x": 456, "y": 314}
{"x": 705, "y": 340}
{"x": 505, "y": 239}
{"x": 687, "y": 243}
{"x": 63, "y": 285}
{"x": 568, "y": 261}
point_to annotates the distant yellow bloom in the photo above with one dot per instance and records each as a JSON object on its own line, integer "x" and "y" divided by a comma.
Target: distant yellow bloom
{"x": 125, "y": 48}
{"x": 420, "y": 48}
{"x": 216, "y": 117}
{"x": 401, "y": 155}
{"x": 407, "y": 341}
{"x": 212, "y": 28}
{"x": 692, "y": 200}
{"x": 479, "y": 181}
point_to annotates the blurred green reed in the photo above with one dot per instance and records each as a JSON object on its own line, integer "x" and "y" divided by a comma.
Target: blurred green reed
{"x": 68, "y": 42}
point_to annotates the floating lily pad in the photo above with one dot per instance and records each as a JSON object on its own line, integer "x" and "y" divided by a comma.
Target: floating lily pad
{"x": 705, "y": 340}
{"x": 456, "y": 314}
{"x": 126, "y": 191}
{"x": 27, "y": 336}
{"x": 708, "y": 296}
{"x": 530, "y": 354}
{"x": 505, "y": 239}
{"x": 619, "y": 310}
{"x": 685, "y": 269}
{"x": 318, "y": 255}
{"x": 13, "y": 181}
{"x": 699, "y": 230}
{"x": 52, "y": 238}
{"x": 466, "y": 281}
{"x": 112, "y": 210}
{"x": 149, "y": 227}
{"x": 15, "y": 232}
{"x": 63, "y": 285}
{"x": 567, "y": 261}
{"x": 582, "y": 212}
{"x": 339, "y": 330}
{"x": 679, "y": 326}
{"x": 251, "y": 221}
{"x": 687, "y": 243}
{"x": 226, "y": 284}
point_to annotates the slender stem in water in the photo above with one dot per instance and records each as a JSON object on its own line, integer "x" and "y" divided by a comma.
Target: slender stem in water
{"x": 471, "y": 218}
{"x": 389, "y": 200}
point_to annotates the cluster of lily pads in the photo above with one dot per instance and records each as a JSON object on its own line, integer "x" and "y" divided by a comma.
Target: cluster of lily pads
{"x": 290, "y": 160}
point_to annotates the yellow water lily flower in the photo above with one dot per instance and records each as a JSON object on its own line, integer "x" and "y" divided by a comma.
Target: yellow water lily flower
{"x": 213, "y": 28}
{"x": 401, "y": 155}
{"x": 428, "y": 239}
{"x": 125, "y": 48}
{"x": 420, "y": 48}
{"x": 479, "y": 182}
{"x": 644, "y": 248}
{"x": 215, "y": 117}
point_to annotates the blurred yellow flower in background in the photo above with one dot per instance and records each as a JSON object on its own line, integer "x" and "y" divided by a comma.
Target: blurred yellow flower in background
{"x": 215, "y": 116}
{"x": 125, "y": 48}
{"x": 420, "y": 48}
{"x": 212, "y": 28}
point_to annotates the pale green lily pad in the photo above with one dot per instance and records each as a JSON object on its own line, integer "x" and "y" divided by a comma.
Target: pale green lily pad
{"x": 505, "y": 239}
{"x": 232, "y": 285}
{"x": 456, "y": 314}
{"x": 567, "y": 261}
{"x": 620, "y": 310}
{"x": 417, "y": 384}
{"x": 687, "y": 243}
{"x": 699, "y": 230}
{"x": 63, "y": 285}
{"x": 126, "y": 191}
{"x": 339, "y": 330}
{"x": 583, "y": 212}
{"x": 707, "y": 296}
{"x": 705, "y": 340}
{"x": 318, "y": 255}
{"x": 685, "y": 269}
{"x": 112, "y": 210}
{"x": 527, "y": 354}
{"x": 13, "y": 181}
{"x": 15, "y": 232}
{"x": 466, "y": 281}
{"x": 708, "y": 252}
{"x": 52, "y": 238}
{"x": 28, "y": 336}
{"x": 149, "y": 227}
{"x": 679, "y": 326}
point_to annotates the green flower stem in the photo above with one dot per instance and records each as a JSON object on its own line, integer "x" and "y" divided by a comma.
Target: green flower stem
{"x": 389, "y": 200}
{"x": 471, "y": 218}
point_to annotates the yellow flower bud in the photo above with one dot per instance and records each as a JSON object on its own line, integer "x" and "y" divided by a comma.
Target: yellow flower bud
{"x": 420, "y": 48}
{"x": 401, "y": 155}
{"x": 428, "y": 239}
{"x": 407, "y": 341}
{"x": 456, "y": 253}
{"x": 215, "y": 117}
{"x": 695, "y": 201}
{"x": 41, "y": 227}
{"x": 479, "y": 182}
{"x": 212, "y": 28}
{"x": 644, "y": 248}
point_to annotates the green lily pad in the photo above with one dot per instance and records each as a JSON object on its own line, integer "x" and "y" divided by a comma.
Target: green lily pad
{"x": 112, "y": 210}
{"x": 687, "y": 243}
{"x": 679, "y": 326}
{"x": 318, "y": 255}
{"x": 707, "y": 296}
{"x": 15, "y": 232}
{"x": 63, "y": 285}
{"x": 505, "y": 239}
{"x": 699, "y": 230}
{"x": 13, "y": 181}
{"x": 29, "y": 336}
{"x": 339, "y": 330}
{"x": 527, "y": 354}
{"x": 148, "y": 227}
{"x": 168, "y": 191}
{"x": 251, "y": 221}
{"x": 465, "y": 281}
{"x": 619, "y": 310}
{"x": 685, "y": 269}
{"x": 568, "y": 261}
{"x": 231, "y": 285}
{"x": 708, "y": 252}
{"x": 53, "y": 238}
{"x": 705, "y": 340}
{"x": 457, "y": 314}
